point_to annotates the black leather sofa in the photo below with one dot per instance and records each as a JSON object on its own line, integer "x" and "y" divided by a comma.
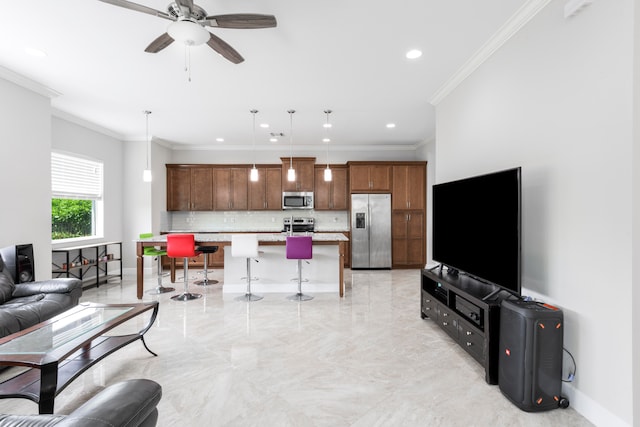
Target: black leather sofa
{"x": 130, "y": 403}
{"x": 23, "y": 305}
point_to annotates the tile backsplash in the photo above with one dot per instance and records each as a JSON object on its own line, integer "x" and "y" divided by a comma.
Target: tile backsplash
{"x": 258, "y": 221}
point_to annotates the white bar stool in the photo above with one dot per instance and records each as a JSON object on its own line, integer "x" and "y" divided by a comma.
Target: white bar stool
{"x": 246, "y": 246}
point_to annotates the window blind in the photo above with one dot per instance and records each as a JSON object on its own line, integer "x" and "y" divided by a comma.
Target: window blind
{"x": 75, "y": 177}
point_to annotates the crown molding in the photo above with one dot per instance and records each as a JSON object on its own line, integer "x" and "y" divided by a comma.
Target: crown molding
{"x": 85, "y": 124}
{"x": 27, "y": 83}
{"x": 504, "y": 33}
{"x": 297, "y": 148}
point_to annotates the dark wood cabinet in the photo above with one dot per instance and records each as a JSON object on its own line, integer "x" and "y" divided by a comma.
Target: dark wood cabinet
{"x": 189, "y": 188}
{"x": 266, "y": 193}
{"x": 409, "y": 182}
{"x": 457, "y": 304}
{"x": 408, "y": 239}
{"x": 334, "y": 194}
{"x": 304, "y": 167}
{"x": 231, "y": 188}
{"x": 370, "y": 177}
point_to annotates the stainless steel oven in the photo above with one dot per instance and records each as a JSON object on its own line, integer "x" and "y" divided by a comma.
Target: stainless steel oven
{"x": 297, "y": 200}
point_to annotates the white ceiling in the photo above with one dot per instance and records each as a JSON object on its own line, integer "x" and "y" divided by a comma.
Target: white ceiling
{"x": 345, "y": 55}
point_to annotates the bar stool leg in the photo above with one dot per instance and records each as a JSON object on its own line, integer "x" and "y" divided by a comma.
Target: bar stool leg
{"x": 300, "y": 296}
{"x": 186, "y": 295}
{"x": 205, "y": 280}
{"x": 248, "y": 296}
{"x": 160, "y": 289}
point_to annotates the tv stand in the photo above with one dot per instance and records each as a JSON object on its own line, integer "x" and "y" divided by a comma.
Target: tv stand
{"x": 468, "y": 310}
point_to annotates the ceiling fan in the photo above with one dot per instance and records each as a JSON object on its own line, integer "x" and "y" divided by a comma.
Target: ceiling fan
{"x": 189, "y": 21}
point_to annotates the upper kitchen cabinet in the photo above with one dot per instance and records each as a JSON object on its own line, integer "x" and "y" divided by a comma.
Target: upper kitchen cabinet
{"x": 334, "y": 194}
{"x": 370, "y": 177}
{"x": 189, "y": 188}
{"x": 304, "y": 167}
{"x": 231, "y": 188}
{"x": 409, "y": 182}
{"x": 266, "y": 193}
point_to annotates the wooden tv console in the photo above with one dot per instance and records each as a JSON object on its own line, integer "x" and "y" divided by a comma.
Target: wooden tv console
{"x": 455, "y": 303}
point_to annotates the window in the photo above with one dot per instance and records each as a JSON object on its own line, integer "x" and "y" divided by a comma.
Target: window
{"x": 76, "y": 197}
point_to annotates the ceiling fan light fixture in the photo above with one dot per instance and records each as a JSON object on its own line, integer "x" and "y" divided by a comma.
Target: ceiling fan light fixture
{"x": 188, "y": 32}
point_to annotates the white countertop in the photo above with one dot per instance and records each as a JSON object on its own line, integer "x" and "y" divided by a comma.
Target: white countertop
{"x": 262, "y": 237}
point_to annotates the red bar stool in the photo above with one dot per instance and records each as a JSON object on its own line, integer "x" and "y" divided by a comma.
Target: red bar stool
{"x": 299, "y": 247}
{"x": 183, "y": 246}
{"x": 246, "y": 246}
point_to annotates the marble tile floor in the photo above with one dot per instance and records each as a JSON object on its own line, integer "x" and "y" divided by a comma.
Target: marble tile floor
{"x": 367, "y": 359}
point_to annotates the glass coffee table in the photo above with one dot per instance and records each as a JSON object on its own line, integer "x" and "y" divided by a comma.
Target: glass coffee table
{"x": 60, "y": 349}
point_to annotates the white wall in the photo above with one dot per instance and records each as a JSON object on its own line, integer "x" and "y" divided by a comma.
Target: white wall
{"x": 75, "y": 139}
{"x": 25, "y": 171}
{"x": 556, "y": 99}
{"x": 273, "y": 155}
{"x": 635, "y": 302}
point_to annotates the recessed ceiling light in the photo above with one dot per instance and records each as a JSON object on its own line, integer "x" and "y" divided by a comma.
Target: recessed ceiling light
{"x": 273, "y": 139}
{"x": 391, "y": 125}
{"x": 38, "y": 53}
{"x": 414, "y": 54}
{"x": 220, "y": 139}
{"x": 264, "y": 125}
{"x": 326, "y": 125}
{"x": 326, "y": 140}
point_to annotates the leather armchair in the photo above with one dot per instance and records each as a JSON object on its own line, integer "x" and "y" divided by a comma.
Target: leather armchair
{"x": 130, "y": 403}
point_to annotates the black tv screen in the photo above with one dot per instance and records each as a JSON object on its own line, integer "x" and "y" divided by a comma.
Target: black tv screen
{"x": 476, "y": 227}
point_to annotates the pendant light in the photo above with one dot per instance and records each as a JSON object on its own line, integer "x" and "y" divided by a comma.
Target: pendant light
{"x": 291, "y": 173}
{"x": 146, "y": 174}
{"x": 327, "y": 126}
{"x": 253, "y": 175}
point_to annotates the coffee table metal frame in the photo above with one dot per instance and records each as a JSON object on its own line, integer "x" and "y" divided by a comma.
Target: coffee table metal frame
{"x": 56, "y": 366}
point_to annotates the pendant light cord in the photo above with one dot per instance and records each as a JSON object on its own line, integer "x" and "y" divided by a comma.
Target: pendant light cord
{"x": 291, "y": 137}
{"x": 254, "y": 111}
{"x": 328, "y": 126}
{"x": 147, "y": 112}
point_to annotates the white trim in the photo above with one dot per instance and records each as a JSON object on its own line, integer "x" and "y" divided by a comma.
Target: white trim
{"x": 298, "y": 148}
{"x": 63, "y": 115}
{"x": 27, "y": 83}
{"x": 504, "y": 33}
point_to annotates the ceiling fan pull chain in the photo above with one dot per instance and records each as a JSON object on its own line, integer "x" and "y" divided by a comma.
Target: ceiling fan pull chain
{"x": 189, "y": 48}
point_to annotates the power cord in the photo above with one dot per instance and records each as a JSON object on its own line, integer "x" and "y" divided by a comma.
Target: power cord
{"x": 572, "y": 373}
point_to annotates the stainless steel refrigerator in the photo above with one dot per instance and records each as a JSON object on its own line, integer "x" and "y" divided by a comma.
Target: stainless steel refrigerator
{"x": 371, "y": 231}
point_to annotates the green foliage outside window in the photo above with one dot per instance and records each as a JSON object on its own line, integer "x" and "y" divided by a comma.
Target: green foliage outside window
{"x": 71, "y": 218}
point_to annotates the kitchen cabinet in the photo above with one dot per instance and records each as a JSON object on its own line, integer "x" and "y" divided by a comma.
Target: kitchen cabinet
{"x": 189, "y": 188}
{"x": 369, "y": 177}
{"x": 409, "y": 182}
{"x": 266, "y": 193}
{"x": 231, "y": 188}
{"x": 304, "y": 167}
{"x": 408, "y": 239}
{"x": 334, "y": 194}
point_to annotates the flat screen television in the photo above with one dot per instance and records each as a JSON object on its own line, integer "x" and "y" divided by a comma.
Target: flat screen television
{"x": 476, "y": 227}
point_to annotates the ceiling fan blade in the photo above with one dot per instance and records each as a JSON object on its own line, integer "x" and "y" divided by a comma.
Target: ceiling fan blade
{"x": 160, "y": 43}
{"x": 241, "y": 20}
{"x": 224, "y": 49}
{"x": 138, "y": 8}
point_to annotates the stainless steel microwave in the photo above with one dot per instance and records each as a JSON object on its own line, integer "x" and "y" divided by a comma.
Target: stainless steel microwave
{"x": 297, "y": 200}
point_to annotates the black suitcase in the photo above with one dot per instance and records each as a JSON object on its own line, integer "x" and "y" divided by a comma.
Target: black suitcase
{"x": 530, "y": 357}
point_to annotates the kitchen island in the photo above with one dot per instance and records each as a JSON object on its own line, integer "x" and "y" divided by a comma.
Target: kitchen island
{"x": 325, "y": 272}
